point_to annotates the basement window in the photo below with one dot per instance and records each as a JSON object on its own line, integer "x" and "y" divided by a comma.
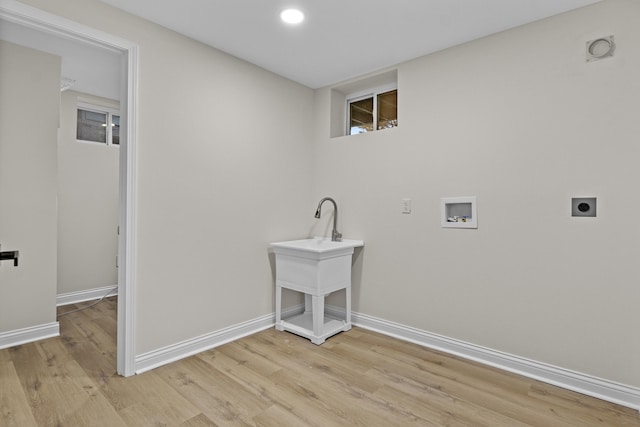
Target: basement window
{"x": 98, "y": 124}
{"x": 364, "y": 105}
{"x": 374, "y": 111}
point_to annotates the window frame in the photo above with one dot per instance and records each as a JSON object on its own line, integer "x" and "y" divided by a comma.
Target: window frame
{"x": 365, "y": 94}
{"x": 100, "y": 109}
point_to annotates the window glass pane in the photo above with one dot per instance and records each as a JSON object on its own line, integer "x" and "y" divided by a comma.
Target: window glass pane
{"x": 361, "y": 116}
{"x": 115, "y": 130}
{"x": 388, "y": 109}
{"x": 92, "y": 126}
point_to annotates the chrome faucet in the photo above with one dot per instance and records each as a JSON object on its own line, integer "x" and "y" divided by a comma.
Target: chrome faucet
{"x": 335, "y": 235}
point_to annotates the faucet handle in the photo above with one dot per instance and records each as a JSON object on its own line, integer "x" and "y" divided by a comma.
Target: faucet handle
{"x": 336, "y": 236}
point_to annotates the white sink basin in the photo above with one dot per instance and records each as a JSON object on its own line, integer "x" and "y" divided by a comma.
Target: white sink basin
{"x": 316, "y": 247}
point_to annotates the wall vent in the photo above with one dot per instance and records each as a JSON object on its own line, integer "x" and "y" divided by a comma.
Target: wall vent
{"x": 600, "y": 48}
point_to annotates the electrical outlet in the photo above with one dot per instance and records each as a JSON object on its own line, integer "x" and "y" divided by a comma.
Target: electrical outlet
{"x": 406, "y": 206}
{"x": 583, "y": 206}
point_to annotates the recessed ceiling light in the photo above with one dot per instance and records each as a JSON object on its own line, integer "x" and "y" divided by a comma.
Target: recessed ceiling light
{"x": 292, "y": 16}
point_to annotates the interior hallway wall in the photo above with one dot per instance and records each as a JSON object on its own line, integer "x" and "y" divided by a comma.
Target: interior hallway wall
{"x": 88, "y": 201}
{"x": 29, "y": 120}
{"x": 520, "y": 120}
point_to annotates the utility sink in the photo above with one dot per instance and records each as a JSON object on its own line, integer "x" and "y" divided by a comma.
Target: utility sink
{"x": 315, "y": 267}
{"x": 316, "y": 247}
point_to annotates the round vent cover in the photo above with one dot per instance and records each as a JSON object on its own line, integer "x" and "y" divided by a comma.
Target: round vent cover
{"x": 600, "y": 48}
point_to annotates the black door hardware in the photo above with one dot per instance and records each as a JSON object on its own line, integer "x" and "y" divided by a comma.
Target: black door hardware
{"x": 10, "y": 256}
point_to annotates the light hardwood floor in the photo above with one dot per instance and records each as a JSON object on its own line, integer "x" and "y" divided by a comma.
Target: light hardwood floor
{"x": 357, "y": 378}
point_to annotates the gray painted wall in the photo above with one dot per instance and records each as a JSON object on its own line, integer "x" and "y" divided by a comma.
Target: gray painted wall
{"x": 521, "y": 121}
{"x": 225, "y": 167}
{"x": 29, "y": 118}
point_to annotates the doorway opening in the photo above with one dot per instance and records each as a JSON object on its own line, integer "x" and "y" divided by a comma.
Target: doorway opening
{"x": 58, "y": 27}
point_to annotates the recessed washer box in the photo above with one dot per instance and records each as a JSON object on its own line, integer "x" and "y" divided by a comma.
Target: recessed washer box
{"x": 459, "y": 212}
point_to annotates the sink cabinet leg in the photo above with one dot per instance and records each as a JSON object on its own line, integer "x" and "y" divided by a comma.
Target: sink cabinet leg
{"x": 279, "y": 307}
{"x": 347, "y": 319}
{"x": 307, "y": 303}
{"x": 318, "y": 316}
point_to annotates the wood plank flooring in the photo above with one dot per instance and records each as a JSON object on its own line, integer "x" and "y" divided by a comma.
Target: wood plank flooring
{"x": 357, "y": 378}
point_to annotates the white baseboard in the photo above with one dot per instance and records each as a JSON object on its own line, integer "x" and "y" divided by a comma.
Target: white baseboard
{"x": 162, "y": 356}
{"x": 27, "y": 335}
{"x": 610, "y": 391}
{"x": 88, "y": 295}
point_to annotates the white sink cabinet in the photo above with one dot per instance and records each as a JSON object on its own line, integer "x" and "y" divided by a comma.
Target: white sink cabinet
{"x": 315, "y": 267}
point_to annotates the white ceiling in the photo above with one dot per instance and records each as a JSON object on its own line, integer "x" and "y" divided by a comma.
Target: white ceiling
{"x": 340, "y": 39}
